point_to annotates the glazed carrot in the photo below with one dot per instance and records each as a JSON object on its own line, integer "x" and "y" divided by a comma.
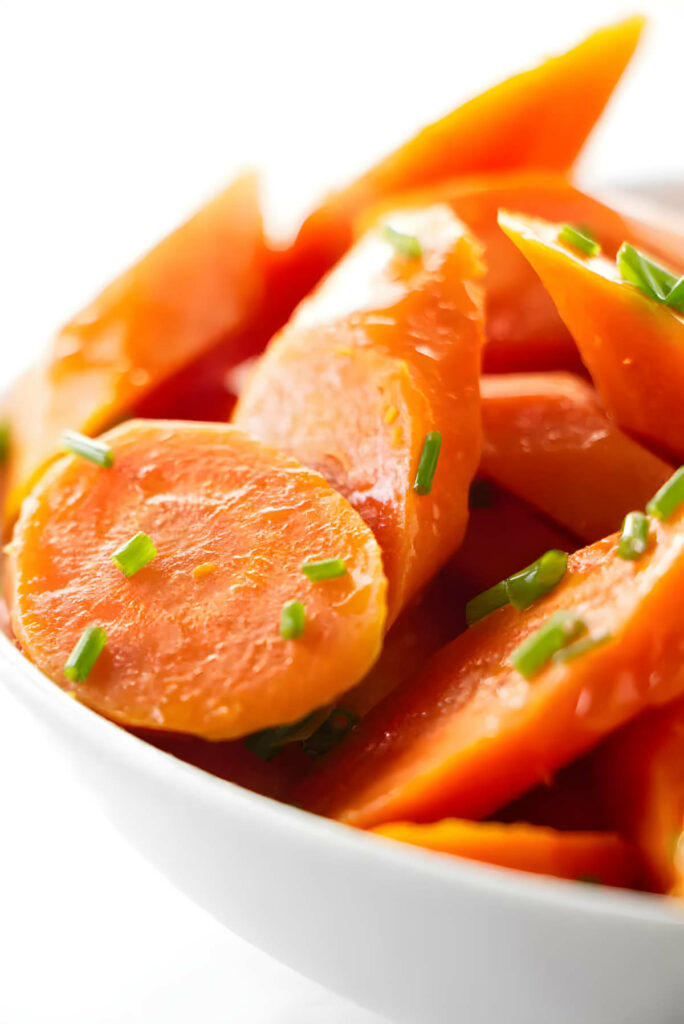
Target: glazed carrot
{"x": 202, "y": 283}
{"x": 384, "y": 355}
{"x": 640, "y": 772}
{"x": 536, "y": 120}
{"x": 504, "y": 534}
{"x": 600, "y": 857}
{"x": 524, "y": 330}
{"x": 632, "y": 345}
{"x": 193, "y": 640}
{"x": 548, "y": 440}
{"x": 471, "y": 732}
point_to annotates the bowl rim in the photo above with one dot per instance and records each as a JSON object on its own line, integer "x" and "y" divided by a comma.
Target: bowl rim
{"x": 508, "y": 884}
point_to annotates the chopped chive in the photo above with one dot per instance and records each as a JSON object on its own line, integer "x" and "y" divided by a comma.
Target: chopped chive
{"x": 326, "y": 569}
{"x": 537, "y": 579}
{"x": 577, "y": 239}
{"x": 665, "y": 501}
{"x": 428, "y": 463}
{"x": 405, "y": 245}
{"x": 486, "y": 602}
{"x": 580, "y": 647}
{"x": 652, "y": 279}
{"x": 269, "y": 742}
{"x": 292, "y": 620}
{"x": 135, "y": 554}
{"x": 328, "y": 735}
{"x": 522, "y": 588}
{"x": 87, "y": 448}
{"x": 675, "y": 299}
{"x": 536, "y": 651}
{"x": 482, "y": 494}
{"x": 4, "y": 440}
{"x": 85, "y": 654}
{"x": 633, "y": 536}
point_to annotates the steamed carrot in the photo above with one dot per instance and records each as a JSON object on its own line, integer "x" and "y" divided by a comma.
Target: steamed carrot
{"x": 524, "y": 329}
{"x": 471, "y": 733}
{"x": 193, "y": 639}
{"x": 640, "y": 772}
{"x": 204, "y": 282}
{"x": 384, "y": 355}
{"x": 599, "y": 857}
{"x": 536, "y": 120}
{"x": 548, "y": 440}
{"x": 632, "y": 345}
{"x": 504, "y": 534}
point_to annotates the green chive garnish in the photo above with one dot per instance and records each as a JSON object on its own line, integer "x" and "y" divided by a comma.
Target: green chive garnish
{"x": 4, "y": 440}
{"x": 292, "y": 620}
{"x": 486, "y": 602}
{"x": 536, "y": 651}
{"x": 522, "y": 588}
{"x": 665, "y": 501}
{"x": 328, "y": 735}
{"x": 537, "y": 579}
{"x": 269, "y": 742}
{"x": 633, "y": 536}
{"x": 327, "y": 569}
{"x": 652, "y": 279}
{"x": 428, "y": 463}
{"x": 135, "y": 554}
{"x": 577, "y": 239}
{"x": 85, "y": 654}
{"x": 675, "y": 299}
{"x": 405, "y": 245}
{"x": 87, "y": 448}
{"x": 580, "y": 647}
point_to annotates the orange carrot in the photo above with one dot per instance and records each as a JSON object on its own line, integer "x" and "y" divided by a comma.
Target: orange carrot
{"x": 524, "y": 330}
{"x": 536, "y": 120}
{"x": 200, "y": 654}
{"x": 640, "y": 772}
{"x": 384, "y": 353}
{"x": 632, "y": 345}
{"x": 204, "y": 282}
{"x": 600, "y": 857}
{"x": 504, "y": 534}
{"x": 548, "y": 440}
{"x": 471, "y": 733}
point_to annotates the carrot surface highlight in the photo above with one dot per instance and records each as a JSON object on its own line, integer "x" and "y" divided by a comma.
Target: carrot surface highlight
{"x": 640, "y": 773}
{"x": 384, "y": 354}
{"x": 632, "y": 345}
{"x": 599, "y": 857}
{"x": 471, "y": 733}
{"x": 200, "y": 284}
{"x": 548, "y": 440}
{"x": 201, "y": 655}
{"x": 536, "y": 120}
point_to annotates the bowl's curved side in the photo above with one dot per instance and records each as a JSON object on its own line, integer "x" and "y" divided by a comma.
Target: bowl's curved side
{"x": 419, "y": 937}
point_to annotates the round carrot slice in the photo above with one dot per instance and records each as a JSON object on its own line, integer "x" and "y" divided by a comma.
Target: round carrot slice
{"x": 194, "y": 643}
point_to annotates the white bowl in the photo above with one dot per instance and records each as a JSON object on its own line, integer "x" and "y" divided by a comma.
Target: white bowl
{"x": 418, "y": 936}
{"x": 421, "y": 937}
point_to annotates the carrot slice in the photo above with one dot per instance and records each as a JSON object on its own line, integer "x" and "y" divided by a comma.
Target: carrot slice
{"x": 385, "y": 352}
{"x": 569, "y": 802}
{"x": 196, "y": 652}
{"x": 504, "y": 534}
{"x": 548, "y": 440}
{"x": 600, "y": 857}
{"x": 203, "y": 282}
{"x": 536, "y": 120}
{"x": 524, "y": 330}
{"x": 632, "y": 345}
{"x": 471, "y": 733}
{"x": 640, "y": 772}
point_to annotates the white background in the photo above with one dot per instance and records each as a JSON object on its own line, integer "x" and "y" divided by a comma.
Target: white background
{"x": 116, "y": 120}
